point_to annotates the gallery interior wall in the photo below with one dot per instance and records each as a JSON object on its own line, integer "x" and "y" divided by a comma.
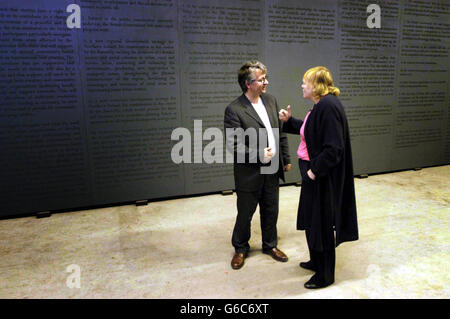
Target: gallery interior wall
{"x": 91, "y": 91}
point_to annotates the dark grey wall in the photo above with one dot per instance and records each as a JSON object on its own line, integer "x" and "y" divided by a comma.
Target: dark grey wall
{"x": 86, "y": 114}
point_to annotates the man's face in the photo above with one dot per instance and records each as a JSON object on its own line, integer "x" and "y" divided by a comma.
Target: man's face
{"x": 259, "y": 84}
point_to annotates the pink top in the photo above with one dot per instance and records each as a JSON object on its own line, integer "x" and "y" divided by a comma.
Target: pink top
{"x": 302, "y": 151}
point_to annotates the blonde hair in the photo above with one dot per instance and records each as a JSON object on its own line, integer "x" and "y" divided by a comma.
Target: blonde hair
{"x": 322, "y": 81}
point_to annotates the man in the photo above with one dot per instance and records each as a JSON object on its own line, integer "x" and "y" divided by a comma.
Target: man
{"x": 257, "y": 164}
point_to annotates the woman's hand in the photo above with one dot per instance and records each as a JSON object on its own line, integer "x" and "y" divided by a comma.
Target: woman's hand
{"x": 284, "y": 115}
{"x": 311, "y": 175}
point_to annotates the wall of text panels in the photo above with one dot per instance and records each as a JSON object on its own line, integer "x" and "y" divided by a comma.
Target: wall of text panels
{"x": 92, "y": 91}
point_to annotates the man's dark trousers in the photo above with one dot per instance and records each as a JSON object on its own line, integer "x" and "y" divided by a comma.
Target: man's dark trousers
{"x": 267, "y": 196}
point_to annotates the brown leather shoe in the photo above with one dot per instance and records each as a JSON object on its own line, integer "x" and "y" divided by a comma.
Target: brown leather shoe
{"x": 276, "y": 254}
{"x": 238, "y": 260}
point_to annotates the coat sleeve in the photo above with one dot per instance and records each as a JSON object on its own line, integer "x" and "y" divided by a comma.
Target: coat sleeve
{"x": 292, "y": 126}
{"x": 284, "y": 144}
{"x": 331, "y": 141}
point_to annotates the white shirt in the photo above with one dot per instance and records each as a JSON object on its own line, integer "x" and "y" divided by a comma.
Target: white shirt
{"x": 262, "y": 113}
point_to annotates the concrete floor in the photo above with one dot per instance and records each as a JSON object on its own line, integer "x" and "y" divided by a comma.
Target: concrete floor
{"x": 181, "y": 248}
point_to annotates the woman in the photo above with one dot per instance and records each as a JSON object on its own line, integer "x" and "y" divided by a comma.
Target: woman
{"x": 327, "y": 198}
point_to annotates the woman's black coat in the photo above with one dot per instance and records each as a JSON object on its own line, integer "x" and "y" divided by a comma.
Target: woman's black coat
{"x": 333, "y": 192}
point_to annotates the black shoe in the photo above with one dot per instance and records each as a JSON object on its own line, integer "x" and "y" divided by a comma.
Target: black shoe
{"x": 308, "y": 265}
{"x": 314, "y": 283}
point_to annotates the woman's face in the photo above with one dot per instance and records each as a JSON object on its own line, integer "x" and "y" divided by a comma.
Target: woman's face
{"x": 307, "y": 90}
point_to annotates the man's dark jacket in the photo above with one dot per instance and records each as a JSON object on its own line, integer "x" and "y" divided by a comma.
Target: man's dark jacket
{"x": 241, "y": 114}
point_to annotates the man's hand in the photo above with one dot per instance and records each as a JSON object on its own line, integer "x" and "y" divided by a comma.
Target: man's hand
{"x": 287, "y": 167}
{"x": 284, "y": 115}
{"x": 267, "y": 154}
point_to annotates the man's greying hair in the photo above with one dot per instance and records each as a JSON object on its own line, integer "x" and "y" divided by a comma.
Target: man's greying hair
{"x": 246, "y": 73}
